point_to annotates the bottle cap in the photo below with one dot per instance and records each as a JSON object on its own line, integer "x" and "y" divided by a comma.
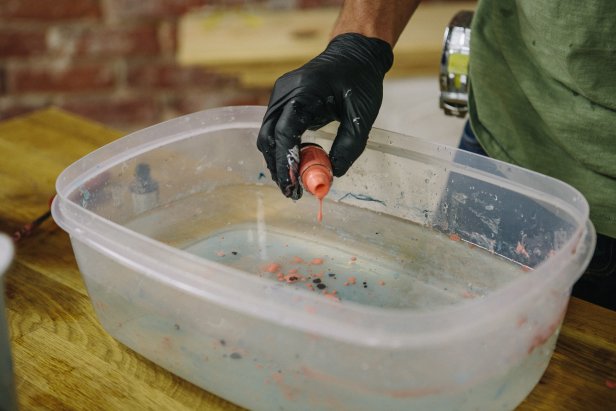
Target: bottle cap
{"x": 315, "y": 170}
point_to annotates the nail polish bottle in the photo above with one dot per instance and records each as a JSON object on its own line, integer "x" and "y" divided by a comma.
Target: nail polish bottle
{"x": 315, "y": 170}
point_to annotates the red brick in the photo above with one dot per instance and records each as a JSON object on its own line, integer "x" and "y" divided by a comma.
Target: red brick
{"x": 3, "y": 81}
{"x": 188, "y": 103}
{"x": 247, "y": 99}
{"x": 169, "y": 75}
{"x": 168, "y": 38}
{"x": 304, "y": 4}
{"x": 192, "y": 102}
{"x": 235, "y": 3}
{"x": 49, "y": 9}
{"x": 131, "y": 9}
{"x": 47, "y": 79}
{"x": 319, "y": 3}
{"x": 105, "y": 41}
{"x": 123, "y": 112}
{"x": 21, "y": 42}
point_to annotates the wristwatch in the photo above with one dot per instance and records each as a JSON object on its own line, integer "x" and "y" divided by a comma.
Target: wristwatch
{"x": 454, "y": 80}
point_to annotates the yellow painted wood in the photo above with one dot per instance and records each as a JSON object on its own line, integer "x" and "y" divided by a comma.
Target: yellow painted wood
{"x": 260, "y": 45}
{"x": 65, "y": 360}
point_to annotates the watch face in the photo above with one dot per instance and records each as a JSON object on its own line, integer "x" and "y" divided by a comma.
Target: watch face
{"x": 454, "y": 80}
{"x": 457, "y": 66}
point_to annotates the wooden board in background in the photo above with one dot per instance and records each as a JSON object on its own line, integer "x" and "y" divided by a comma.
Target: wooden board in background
{"x": 260, "y": 45}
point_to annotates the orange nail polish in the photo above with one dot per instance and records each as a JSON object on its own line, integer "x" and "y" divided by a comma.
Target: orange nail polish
{"x": 315, "y": 170}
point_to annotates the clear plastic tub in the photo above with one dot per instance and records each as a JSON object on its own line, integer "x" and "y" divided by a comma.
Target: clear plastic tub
{"x": 8, "y": 399}
{"x": 437, "y": 280}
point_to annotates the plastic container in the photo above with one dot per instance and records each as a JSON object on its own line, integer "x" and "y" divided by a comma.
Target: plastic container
{"x": 438, "y": 279}
{"x": 8, "y": 398}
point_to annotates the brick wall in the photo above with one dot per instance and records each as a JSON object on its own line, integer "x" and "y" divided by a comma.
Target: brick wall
{"x": 111, "y": 60}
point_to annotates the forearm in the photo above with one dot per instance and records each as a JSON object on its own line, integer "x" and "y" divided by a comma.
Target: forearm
{"x": 383, "y": 19}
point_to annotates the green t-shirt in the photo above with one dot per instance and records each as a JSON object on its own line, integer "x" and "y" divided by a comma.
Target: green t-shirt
{"x": 543, "y": 92}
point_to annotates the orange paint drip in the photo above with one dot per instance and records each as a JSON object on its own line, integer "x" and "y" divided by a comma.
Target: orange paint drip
{"x": 520, "y": 249}
{"x": 332, "y": 295}
{"x": 272, "y": 268}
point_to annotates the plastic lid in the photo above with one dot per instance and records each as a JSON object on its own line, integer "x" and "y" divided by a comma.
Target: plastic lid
{"x": 317, "y": 180}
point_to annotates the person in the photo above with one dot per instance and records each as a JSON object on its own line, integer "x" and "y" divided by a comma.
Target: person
{"x": 542, "y": 96}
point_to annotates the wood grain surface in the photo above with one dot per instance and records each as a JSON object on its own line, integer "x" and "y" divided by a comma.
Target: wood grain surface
{"x": 64, "y": 360}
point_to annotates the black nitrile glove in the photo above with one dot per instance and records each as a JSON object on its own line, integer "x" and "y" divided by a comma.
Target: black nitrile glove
{"x": 344, "y": 83}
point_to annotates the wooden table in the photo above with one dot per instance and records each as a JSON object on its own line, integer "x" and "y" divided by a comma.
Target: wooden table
{"x": 63, "y": 359}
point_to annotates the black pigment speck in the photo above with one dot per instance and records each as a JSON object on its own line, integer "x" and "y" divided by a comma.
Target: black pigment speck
{"x": 236, "y": 355}
{"x": 316, "y": 280}
{"x": 365, "y": 284}
{"x": 223, "y": 342}
{"x": 176, "y": 326}
{"x": 234, "y": 252}
{"x": 292, "y": 278}
{"x": 321, "y": 286}
{"x": 376, "y": 233}
{"x": 333, "y": 275}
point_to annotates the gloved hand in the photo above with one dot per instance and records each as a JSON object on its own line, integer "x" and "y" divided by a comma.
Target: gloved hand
{"x": 344, "y": 83}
